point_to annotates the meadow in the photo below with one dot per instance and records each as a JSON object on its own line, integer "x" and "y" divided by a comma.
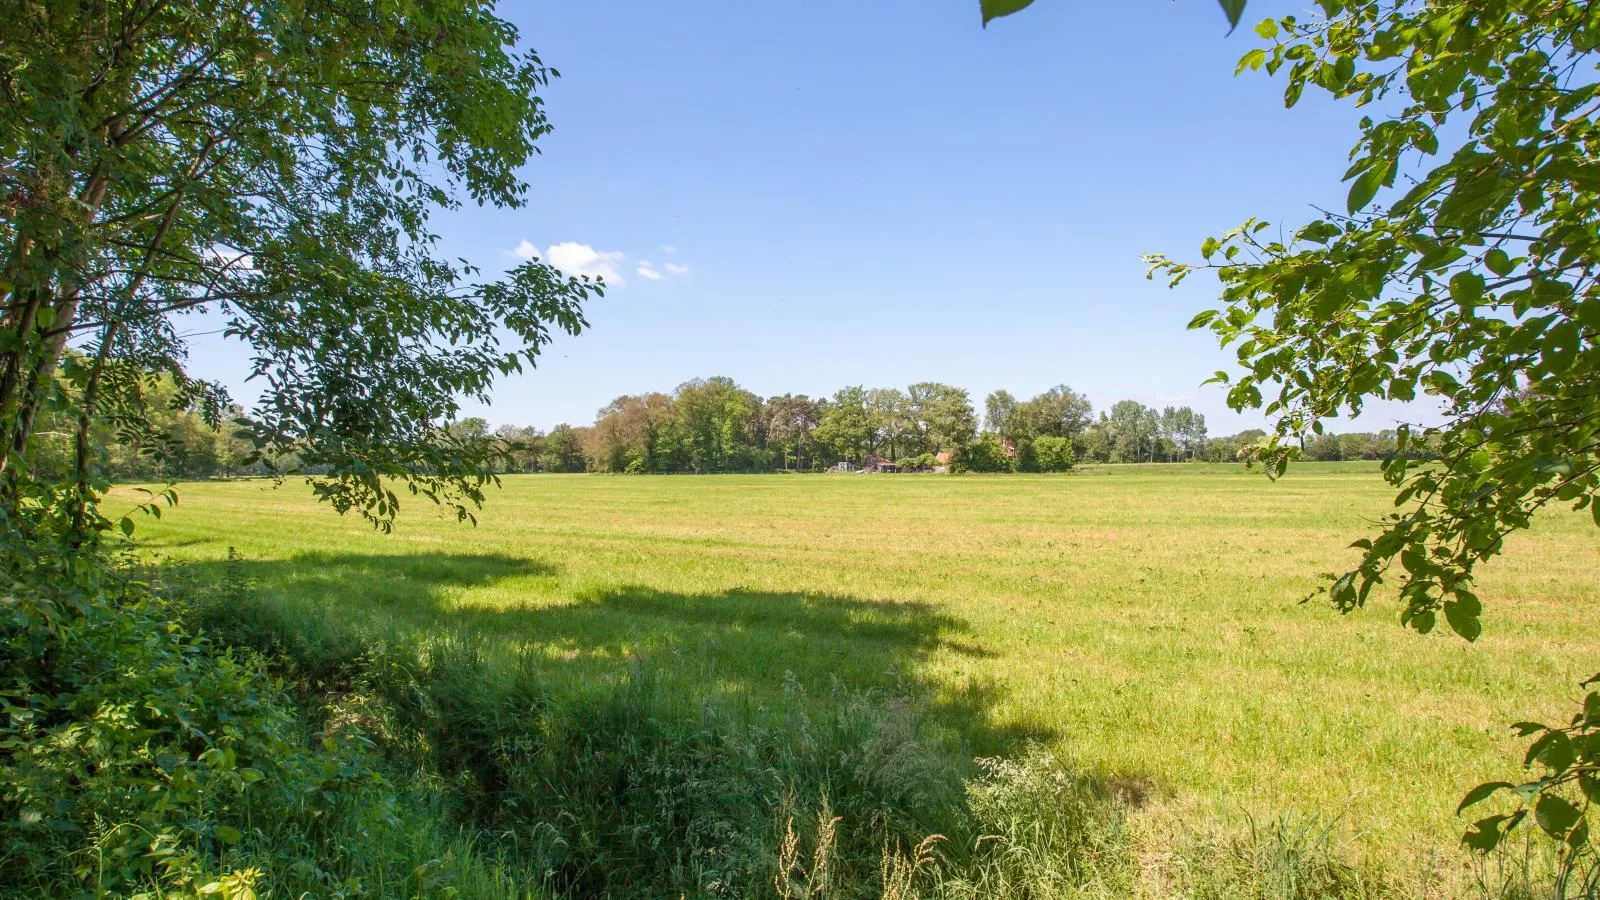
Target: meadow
{"x": 1139, "y": 623}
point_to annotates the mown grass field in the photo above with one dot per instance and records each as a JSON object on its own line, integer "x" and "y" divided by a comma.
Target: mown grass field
{"x": 1140, "y": 621}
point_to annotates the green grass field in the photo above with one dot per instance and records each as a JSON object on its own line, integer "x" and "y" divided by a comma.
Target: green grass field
{"x": 1139, "y": 621}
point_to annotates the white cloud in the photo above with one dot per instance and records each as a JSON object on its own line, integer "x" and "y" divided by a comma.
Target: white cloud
{"x": 668, "y": 249}
{"x": 573, "y": 258}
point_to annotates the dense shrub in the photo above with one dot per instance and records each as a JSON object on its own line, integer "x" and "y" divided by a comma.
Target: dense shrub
{"x": 1053, "y": 454}
{"x": 984, "y": 454}
{"x": 136, "y": 757}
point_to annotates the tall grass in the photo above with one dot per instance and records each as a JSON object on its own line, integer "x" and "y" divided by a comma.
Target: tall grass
{"x": 642, "y": 789}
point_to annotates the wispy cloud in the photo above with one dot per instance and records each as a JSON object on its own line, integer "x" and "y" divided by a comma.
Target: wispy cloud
{"x": 574, "y": 258}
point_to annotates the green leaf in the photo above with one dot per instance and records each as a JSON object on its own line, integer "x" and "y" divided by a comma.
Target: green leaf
{"x": 1423, "y": 621}
{"x": 1364, "y": 189}
{"x": 1590, "y": 784}
{"x": 1480, "y": 793}
{"x": 994, "y": 9}
{"x": 1553, "y": 748}
{"x": 1555, "y": 815}
{"x": 227, "y": 834}
{"x": 1498, "y": 261}
{"x": 1462, "y": 614}
{"x": 1466, "y": 288}
{"x": 1579, "y": 835}
{"x": 1233, "y": 9}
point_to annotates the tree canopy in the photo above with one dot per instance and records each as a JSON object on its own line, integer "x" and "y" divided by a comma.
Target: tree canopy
{"x": 271, "y": 172}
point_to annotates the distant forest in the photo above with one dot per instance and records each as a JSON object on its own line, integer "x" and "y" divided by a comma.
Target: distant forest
{"x": 712, "y": 425}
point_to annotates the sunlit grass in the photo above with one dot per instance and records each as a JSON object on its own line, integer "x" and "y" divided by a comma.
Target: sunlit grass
{"x": 1141, "y": 621}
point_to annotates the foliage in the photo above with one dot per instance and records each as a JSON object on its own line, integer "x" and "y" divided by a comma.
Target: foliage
{"x": 790, "y": 423}
{"x": 1475, "y": 285}
{"x": 1053, "y": 454}
{"x": 1134, "y": 431}
{"x": 276, "y": 170}
{"x": 940, "y": 417}
{"x": 845, "y": 428}
{"x": 1057, "y": 413}
{"x": 137, "y": 756}
{"x": 713, "y": 425}
{"x": 988, "y": 453}
{"x": 1565, "y": 792}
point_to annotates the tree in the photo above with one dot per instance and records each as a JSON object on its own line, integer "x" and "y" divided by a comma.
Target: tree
{"x": 1000, "y": 413}
{"x": 790, "y": 421}
{"x": 1096, "y": 442}
{"x": 845, "y": 428}
{"x": 1184, "y": 429}
{"x": 470, "y": 428}
{"x": 162, "y": 157}
{"x": 1478, "y": 284}
{"x": 891, "y": 421}
{"x": 719, "y": 423}
{"x": 941, "y": 417}
{"x": 628, "y": 435}
{"x": 1133, "y": 429}
{"x": 1059, "y": 412}
{"x": 563, "y": 449}
{"x": 522, "y": 447}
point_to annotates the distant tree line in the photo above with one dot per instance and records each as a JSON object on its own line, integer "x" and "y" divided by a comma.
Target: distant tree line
{"x": 173, "y": 436}
{"x": 712, "y": 425}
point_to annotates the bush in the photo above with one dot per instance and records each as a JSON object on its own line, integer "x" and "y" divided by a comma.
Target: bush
{"x": 136, "y": 756}
{"x": 1054, "y": 454}
{"x": 985, "y": 454}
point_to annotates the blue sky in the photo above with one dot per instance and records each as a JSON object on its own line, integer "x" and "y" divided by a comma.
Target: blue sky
{"x": 882, "y": 193}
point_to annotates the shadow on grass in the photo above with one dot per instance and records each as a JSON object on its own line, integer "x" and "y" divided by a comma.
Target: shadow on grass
{"x": 737, "y": 646}
{"x": 632, "y": 741}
